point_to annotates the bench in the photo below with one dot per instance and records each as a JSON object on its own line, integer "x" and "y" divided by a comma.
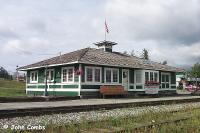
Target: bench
{"x": 112, "y": 90}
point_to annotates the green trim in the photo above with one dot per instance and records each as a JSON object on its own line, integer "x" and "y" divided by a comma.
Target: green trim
{"x": 55, "y": 93}
{"x": 41, "y": 86}
{"x": 32, "y": 86}
{"x": 70, "y": 86}
{"x": 54, "y": 86}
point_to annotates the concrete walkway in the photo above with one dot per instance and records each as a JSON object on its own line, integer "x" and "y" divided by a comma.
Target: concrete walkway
{"x": 25, "y": 105}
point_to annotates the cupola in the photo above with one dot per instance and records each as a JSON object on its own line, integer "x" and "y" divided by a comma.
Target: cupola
{"x": 105, "y": 45}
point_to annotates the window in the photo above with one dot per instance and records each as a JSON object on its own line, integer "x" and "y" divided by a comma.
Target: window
{"x": 97, "y": 74}
{"x": 64, "y": 75}
{"x": 155, "y": 77}
{"x": 50, "y": 75}
{"x": 111, "y": 75}
{"x": 108, "y": 76}
{"x": 93, "y": 74}
{"x": 146, "y": 76}
{"x": 89, "y": 74}
{"x": 68, "y": 74}
{"x": 138, "y": 77}
{"x": 115, "y": 75}
{"x": 165, "y": 80}
{"x": 34, "y": 77}
{"x": 151, "y": 76}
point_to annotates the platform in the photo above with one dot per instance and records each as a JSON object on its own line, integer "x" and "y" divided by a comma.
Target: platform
{"x": 85, "y": 102}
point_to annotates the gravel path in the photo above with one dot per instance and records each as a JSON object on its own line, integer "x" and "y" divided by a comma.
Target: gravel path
{"x": 92, "y": 115}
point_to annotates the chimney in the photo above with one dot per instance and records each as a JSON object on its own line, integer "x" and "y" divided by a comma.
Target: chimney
{"x": 105, "y": 45}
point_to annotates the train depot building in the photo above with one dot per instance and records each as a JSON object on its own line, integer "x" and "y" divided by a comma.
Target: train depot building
{"x": 85, "y": 71}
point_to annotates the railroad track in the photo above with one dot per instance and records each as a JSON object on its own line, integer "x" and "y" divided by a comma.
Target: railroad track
{"x": 83, "y": 108}
{"x": 140, "y": 128}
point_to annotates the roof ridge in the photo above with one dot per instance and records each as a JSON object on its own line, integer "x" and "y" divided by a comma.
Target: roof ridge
{"x": 83, "y": 53}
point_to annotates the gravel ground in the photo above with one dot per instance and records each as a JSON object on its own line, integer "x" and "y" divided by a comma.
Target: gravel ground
{"x": 92, "y": 115}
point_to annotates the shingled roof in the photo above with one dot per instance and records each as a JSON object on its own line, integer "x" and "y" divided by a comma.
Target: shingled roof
{"x": 100, "y": 57}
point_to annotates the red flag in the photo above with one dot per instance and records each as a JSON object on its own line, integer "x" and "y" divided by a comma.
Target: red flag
{"x": 106, "y": 27}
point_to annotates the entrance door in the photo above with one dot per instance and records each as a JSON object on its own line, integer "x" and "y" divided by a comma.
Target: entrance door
{"x": 125, "y": 79}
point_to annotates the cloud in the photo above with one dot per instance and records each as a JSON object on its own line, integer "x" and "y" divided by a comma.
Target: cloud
{"x": 25, "y": 47}
{"x": 168, "y": 29}
{"x": 182, "y": 55}
{"x": 174, "y": 21}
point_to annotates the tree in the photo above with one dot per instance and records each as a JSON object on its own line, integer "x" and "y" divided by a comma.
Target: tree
{"x": 164, "y": 62}
{"x": 125, "y": 52}
{"x": 195, "y": 71}
{"x": 132, "y": 53}
{"x": 145, "y": 54}
{"x": 4, "y": 73}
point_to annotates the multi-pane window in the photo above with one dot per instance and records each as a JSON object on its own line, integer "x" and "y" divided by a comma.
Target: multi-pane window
{"x": 93, "y": 74}
{"x": 50, "y": 75}
{"x": 33, "y": 76}
{"x": 151, "y": 76}
{"x": 146, "y": 76}
{"x": 111, "y": 75}
{"x": 89, "y": 73}
{"x": 138, "y": 77}
{"x": 97, "y": 75}
{"x": 165, "y": 80}
{"x": 70, "y": 74}
{"x": 64, "y": 76}
{"x": 115, "y": 75}
{"x": 67, "y": 75}
{"x": 156, "y": 77}
{"x": 108, "y": 76}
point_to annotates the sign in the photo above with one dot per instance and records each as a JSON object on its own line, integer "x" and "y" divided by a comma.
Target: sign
{"x": 151, "y": 90}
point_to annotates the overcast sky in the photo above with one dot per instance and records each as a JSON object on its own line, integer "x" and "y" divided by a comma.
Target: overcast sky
{"x": 33, "y": 30}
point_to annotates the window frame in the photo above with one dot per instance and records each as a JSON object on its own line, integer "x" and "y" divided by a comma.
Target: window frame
{"x": 93, "y": 74}
{"x": 164, "y": 82}
{"x": 149, "y": 75}
{"x": 111, "y": 69}
{"x": 67, "y": 81}
{"x": 49, "y": 70}
{"x": 31, "y": 80}
{"x": 140, "y": 72}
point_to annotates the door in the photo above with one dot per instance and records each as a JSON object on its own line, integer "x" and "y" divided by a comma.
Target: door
{"x": 125, "y": 79}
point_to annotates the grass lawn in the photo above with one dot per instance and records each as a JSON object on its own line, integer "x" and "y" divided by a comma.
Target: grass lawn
{"x": 11, "y": 88}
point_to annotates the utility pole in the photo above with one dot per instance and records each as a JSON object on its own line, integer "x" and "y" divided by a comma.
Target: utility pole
{"x": 45, "y": 91}
{"x": 17, "y": 74}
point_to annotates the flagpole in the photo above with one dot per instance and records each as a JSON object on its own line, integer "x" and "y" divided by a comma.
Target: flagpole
{"x": 105, "y": 34}
{"x": 105, "y": 28}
